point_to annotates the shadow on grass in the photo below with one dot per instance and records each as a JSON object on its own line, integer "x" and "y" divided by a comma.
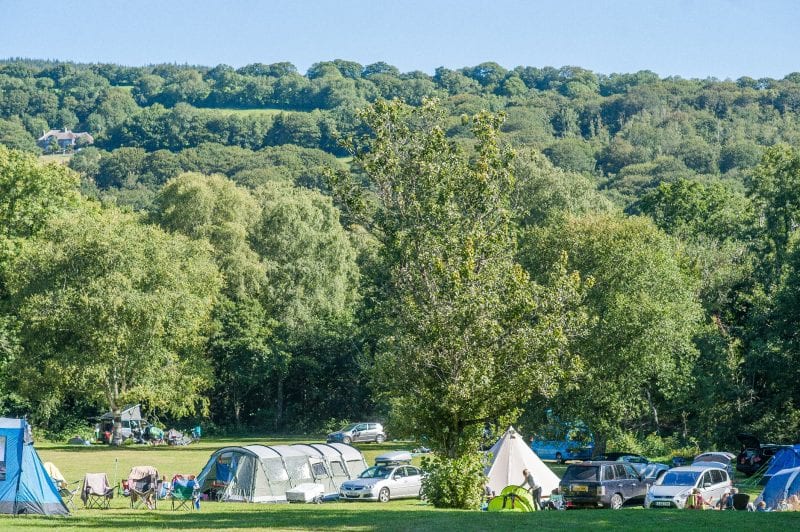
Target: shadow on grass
{"x": 406, "y": 517}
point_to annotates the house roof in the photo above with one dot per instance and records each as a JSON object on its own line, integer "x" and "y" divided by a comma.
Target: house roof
{"x": 65, "y": 134}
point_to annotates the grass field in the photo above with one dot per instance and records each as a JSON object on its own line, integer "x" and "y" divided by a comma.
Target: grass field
{"x": 395, "y": 515}
{"x": 263, "y": 112}
{"x": 60, "y": 158}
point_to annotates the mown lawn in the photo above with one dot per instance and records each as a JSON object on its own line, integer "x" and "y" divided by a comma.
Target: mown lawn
{"x": 396, "y": 515}
{"x": 260, "y": 111}
{"x": 61, "y": 158}
{"x": 399, "y": 515}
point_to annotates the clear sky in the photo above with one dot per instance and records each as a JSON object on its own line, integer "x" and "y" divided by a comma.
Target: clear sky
{"x": 689, "y": 38}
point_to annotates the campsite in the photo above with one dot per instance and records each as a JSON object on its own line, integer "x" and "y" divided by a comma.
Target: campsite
{"x": 511, "y": 454}
{"x": 417, "y": 265}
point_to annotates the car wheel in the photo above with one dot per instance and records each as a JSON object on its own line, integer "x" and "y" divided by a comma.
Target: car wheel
{"x": 383, "y": 495}
{"x": 380, "y": 438}
{"x": 616, "y": 501}
{"x": 346, "y": 440}
{"x": 559, "y": 458}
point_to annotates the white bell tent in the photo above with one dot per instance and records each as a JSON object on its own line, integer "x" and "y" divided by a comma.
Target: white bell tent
{"x": 509, "y": 456}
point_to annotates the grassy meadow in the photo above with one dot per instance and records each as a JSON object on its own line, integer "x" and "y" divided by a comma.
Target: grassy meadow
{"x": 247, "y": 112}
{"x": 396, "y": 515}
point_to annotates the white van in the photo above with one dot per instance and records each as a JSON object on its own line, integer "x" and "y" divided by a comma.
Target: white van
{"x": 672, "y": 489}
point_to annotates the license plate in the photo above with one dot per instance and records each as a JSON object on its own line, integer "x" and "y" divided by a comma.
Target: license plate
{"x": 662, "y": 503}
{"x": 575, "y": 487}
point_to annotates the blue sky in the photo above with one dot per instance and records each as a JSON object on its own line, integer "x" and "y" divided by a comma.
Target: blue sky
{"x": 689, "y": 38}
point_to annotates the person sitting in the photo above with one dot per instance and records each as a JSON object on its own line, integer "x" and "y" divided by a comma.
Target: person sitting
{"x": 725, "y": 502}
{"x": 164, "y": 487}
{"x": 794, "y": 503}
{"x": 762, "y": 507}
{"x": 695, "y": 501}
{"x": 556, "y": 501}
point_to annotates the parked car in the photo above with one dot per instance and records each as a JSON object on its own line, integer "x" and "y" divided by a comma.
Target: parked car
{"x": 672, "y": 489}
{"x": 716, "y": 459}
{"x": 601, "y": 485}
{"x": 382, "y": 483}
{"x": 678, "y": 461}
{"x": 562, "y": 442}
{"x": 754, "y": 454}
{"x": 636, "y": 460}
{"x": 652, "y": 472}
{"x": 359, "y": 432}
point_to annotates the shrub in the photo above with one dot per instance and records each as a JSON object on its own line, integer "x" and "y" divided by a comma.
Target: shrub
{"x": 653, "y": 446}
{"x": 454, "y": 482}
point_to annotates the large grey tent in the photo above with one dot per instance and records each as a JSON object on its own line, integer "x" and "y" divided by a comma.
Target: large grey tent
{"x": 333, "y": 463}
{"x": 354, "y": 460}
{"x": 259, "y": 473}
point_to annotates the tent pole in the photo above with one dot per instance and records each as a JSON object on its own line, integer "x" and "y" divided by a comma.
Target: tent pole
{"x": 116, "y": 463}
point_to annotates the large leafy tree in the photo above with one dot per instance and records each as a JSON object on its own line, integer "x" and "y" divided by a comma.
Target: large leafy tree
{"x": 644, "y": 310}
{"x": 465, "y": 335}
{"x": 774, "y": 188}
{"x": 30, "y": 193}
{"x": 213, "y": 208}
{"x": 310, "y": 272}
{"x": 113, "y": 310}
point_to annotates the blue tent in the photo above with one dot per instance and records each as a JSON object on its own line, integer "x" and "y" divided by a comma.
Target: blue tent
{"x": 782, "y": 485}
{"x": 786, "y": 458}
{"x": 25, "y": 486}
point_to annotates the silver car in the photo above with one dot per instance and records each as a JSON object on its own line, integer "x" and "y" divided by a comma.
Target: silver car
{"x": 674, "y": 487}
{"x": 382, "y": 483}
{"x": 359, "y": 432}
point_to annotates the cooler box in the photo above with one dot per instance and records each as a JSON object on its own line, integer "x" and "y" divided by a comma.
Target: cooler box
{"x": 306, "y": 493}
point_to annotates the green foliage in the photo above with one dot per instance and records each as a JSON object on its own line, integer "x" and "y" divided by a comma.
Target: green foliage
{"x": 644, "y": 314}
{"x": 690, "y": 208}
{"x": 775, "y": 190}
{"x": 461, "y": 322}
{"x": 454, "y": 482}
{"x": 31, "y": 193}
{"x": 114, "y": 311}
{"x": 652, "y": 445}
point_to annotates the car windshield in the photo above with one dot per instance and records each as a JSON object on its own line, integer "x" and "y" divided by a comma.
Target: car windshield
{"x": 711, "y": 458}
{"x": 349, "y": 428}
{"x": 580, "y": 472}
{"x": 679, "y": 478}
{"x": 376, "y": 472}
{"x": 650, "y": 471}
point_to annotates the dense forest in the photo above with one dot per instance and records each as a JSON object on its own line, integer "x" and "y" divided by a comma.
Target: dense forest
{"x": 250, "y": 246}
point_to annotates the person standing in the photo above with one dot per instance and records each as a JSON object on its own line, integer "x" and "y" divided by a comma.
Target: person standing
{"x": 534, "y": 489}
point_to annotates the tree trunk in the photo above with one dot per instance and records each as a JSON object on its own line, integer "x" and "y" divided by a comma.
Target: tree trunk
{"x": 600, "y": 442}
{"x": 655, "y": 412}
{"x": 279, "y": 403}
{"x": 116, "y": 437}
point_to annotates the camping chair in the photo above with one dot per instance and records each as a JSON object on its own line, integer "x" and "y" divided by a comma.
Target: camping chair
{"x": 68, "y": 492}
{"x": 740, "y": 501}
{"x": 96, "y": 492}
{"x": 185, "y": 493}
{"x": 143, "y": 487}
